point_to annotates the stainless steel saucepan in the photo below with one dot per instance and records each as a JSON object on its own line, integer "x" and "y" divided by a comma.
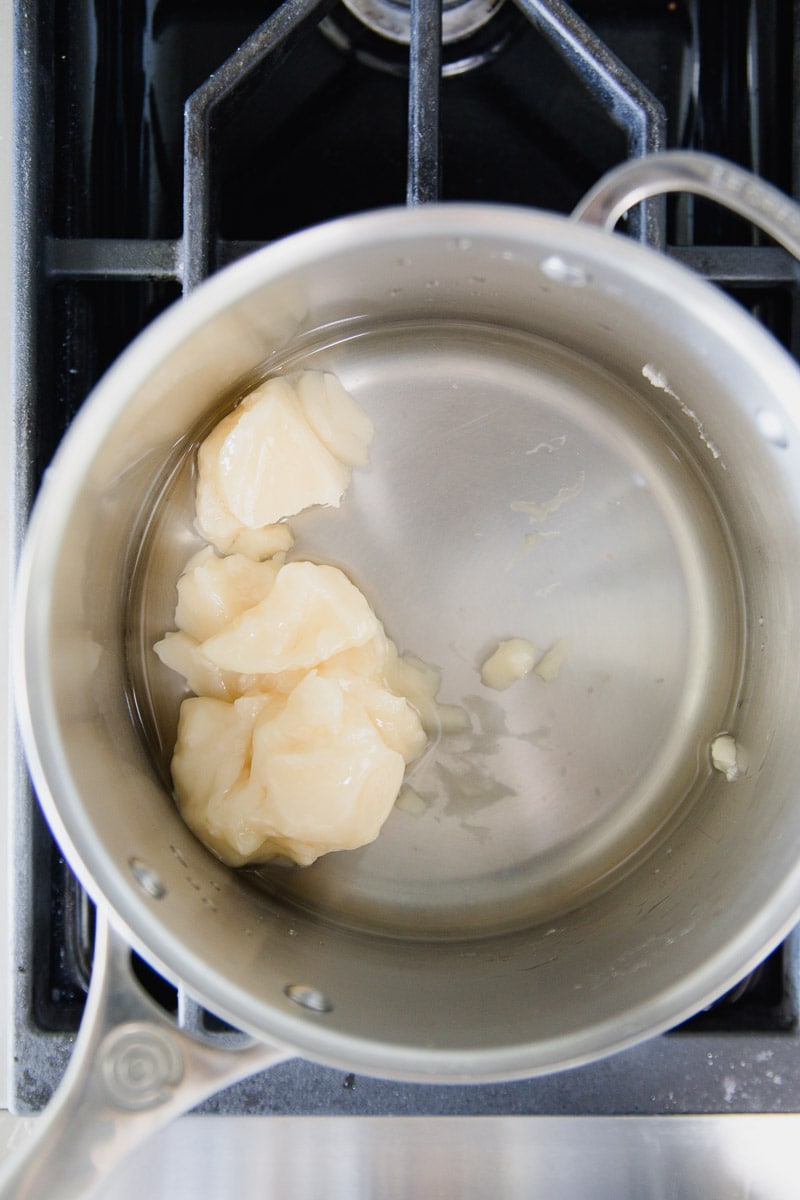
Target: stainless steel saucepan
{"x": 577, "y": 442}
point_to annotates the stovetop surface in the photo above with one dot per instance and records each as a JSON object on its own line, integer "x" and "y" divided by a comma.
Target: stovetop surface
{"x": 100, "y": 194}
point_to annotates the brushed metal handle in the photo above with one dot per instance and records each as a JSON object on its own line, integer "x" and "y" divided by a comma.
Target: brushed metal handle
{"x": 132, "y": 1072}
{"x": 703, "y": 174}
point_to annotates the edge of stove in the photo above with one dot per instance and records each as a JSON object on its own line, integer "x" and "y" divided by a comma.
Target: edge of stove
{"x": 6, "y": 235}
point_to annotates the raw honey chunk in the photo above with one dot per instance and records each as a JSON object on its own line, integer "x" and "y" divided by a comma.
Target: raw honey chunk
{"x": 294, "y": 776}
{"x": 288, "y": 445}
{"x": 213, "y": 591}
{"x": 512, "y": 660}
{"x": 333, "y": 414}
{"x": 311, "y": 613}
{"x": 398, "y": 723}
{"x": 304, "y": 716}
{"x": 181, "y": 653}
{"x": 305, "y": 752}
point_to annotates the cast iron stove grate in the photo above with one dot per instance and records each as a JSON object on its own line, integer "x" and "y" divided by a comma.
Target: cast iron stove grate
{"x": 128, "y": 193}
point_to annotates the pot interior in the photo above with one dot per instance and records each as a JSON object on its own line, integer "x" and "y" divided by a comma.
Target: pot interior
{"x": 514, "y": 489}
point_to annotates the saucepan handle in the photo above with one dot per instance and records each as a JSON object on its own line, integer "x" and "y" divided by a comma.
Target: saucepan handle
{"x": 132, "y": 1071}
{"x": 703, "y": 174}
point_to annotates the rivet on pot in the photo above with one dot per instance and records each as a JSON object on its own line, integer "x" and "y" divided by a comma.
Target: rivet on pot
{"x": 308, "y": 997}
{"x": 147, "y": 879}
{"x": 561, "y": 271}
{"x": 771, "y": 428}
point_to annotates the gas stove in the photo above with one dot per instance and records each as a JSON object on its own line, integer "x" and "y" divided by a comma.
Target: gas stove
{"x": 157, "y": 141}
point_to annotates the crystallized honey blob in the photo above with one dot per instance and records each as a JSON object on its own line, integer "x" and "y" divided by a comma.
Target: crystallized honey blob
{"x": 311, "y": 613}
{"x": 512, "y": 660}
{"x": 181, "y": 653}
{"x": 288, "y": 445}
{"x": 304, "y": 716}
{"x": 339, "y": 423}
{"x": 213, "y": 591}
{"x": 295, "y": 775}
{"x": 398, "y": 724}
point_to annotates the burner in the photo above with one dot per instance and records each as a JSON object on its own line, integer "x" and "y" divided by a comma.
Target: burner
{"x": 392, "y": 18}
{"x": 378, "y": 32}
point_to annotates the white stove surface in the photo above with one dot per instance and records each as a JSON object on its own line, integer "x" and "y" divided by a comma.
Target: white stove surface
{"x": 737, "y": 1157}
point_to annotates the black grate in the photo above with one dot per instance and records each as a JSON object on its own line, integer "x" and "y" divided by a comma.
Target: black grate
{"x": 160, "y": 139}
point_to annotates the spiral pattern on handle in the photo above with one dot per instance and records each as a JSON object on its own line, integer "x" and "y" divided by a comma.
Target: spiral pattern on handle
{"x": 140, "y": 1066}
